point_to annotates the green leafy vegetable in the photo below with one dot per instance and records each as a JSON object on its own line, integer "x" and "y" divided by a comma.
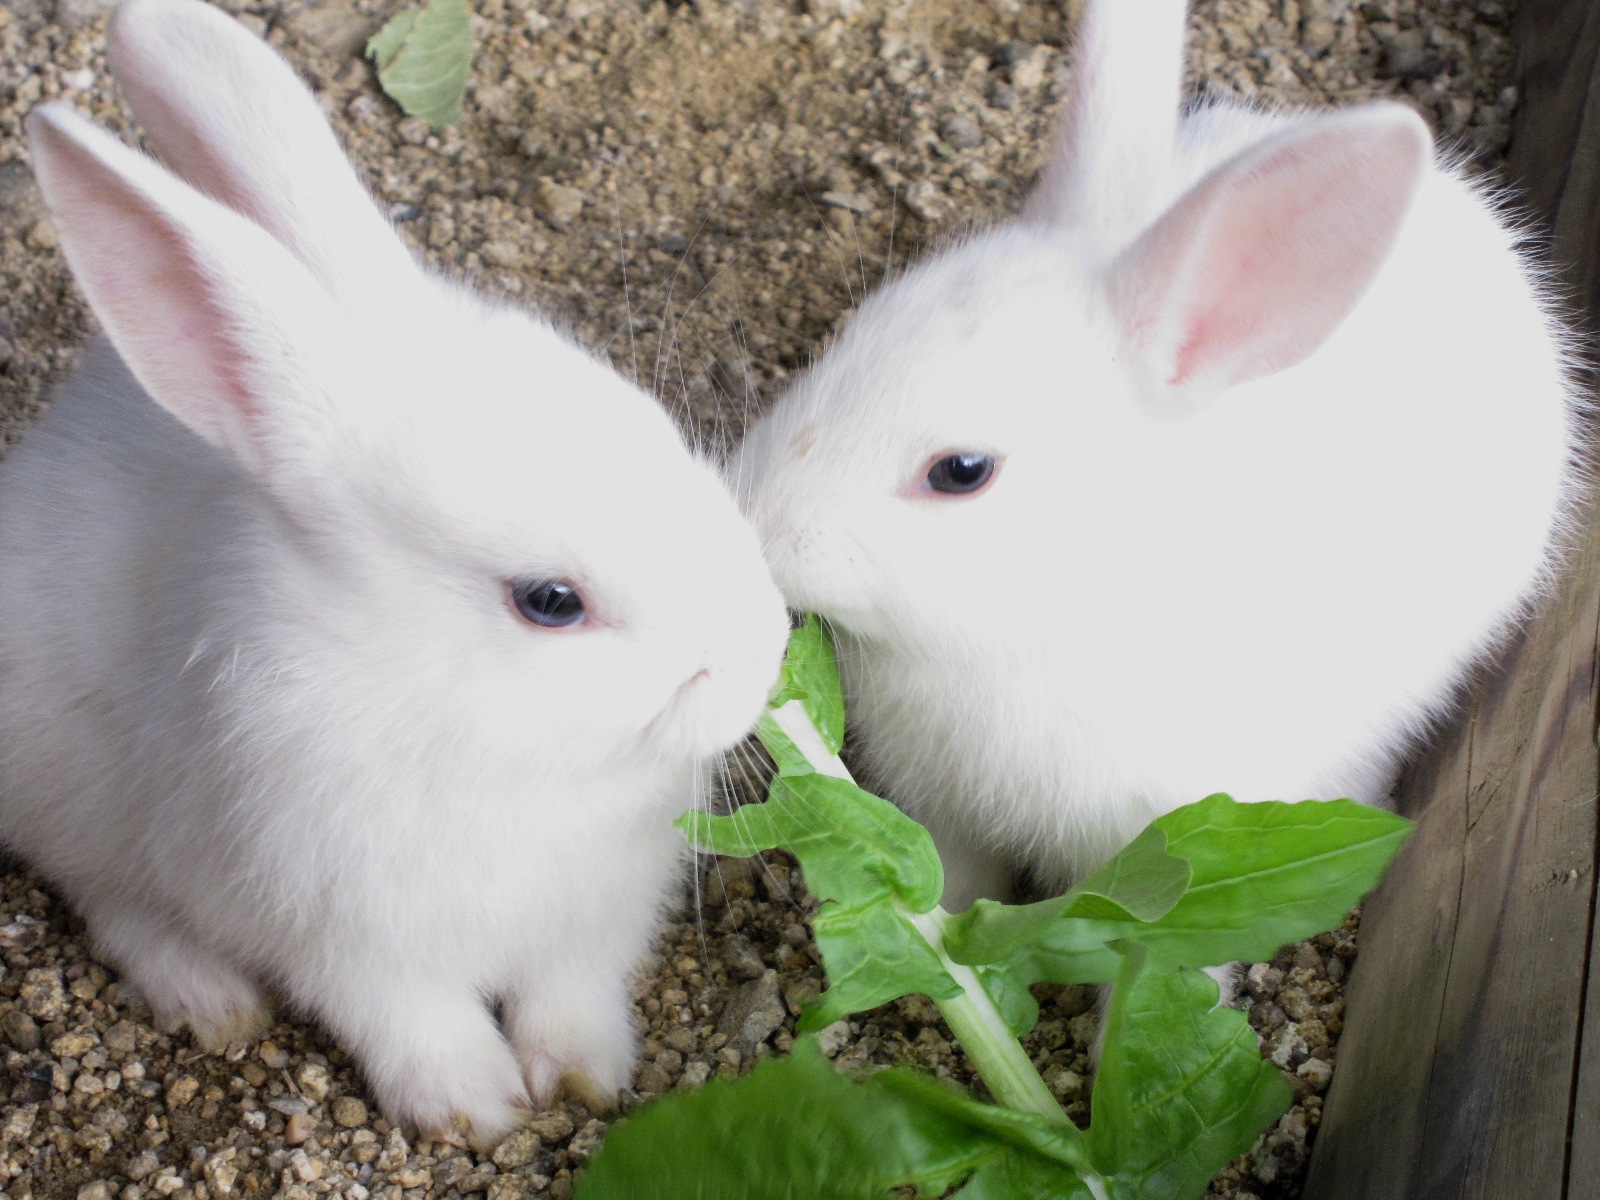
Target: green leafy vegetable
{"x": 811, "y": 676}
{"x": 799, "y": 1129}
{"x": 856, "y": 848}
{"x": 423, "y": 56}
{"x": 1259, "y": 876}
{"x": 873, "y": 864}
{"x": 1181, "y": 1087}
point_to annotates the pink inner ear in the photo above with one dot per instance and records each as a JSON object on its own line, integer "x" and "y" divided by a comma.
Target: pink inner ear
{"x": 1257, "y": 265}
{"x": 1236, "y": 278}
{"x": 247, "y": 132}
{"x": 210, "y": 314}
{"x": 152, "y": 296}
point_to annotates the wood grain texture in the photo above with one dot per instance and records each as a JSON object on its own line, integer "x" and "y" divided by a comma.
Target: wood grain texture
{"x": 1462, "y": 1038}
{"x": 1470, "y": 1062}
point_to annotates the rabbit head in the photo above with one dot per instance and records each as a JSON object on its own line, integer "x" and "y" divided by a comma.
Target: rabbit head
{"x": 446, "y": 469}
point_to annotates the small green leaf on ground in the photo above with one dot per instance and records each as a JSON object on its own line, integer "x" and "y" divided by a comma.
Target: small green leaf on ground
{"x": 423, "y": 56}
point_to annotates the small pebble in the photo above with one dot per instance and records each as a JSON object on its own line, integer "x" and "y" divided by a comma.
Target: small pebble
{"x": 1030, "y": 65}
{"x": 413, "y": 131}
{"x": 314, "y": 1081}
{"x": 557, "y": 204}
{"x": 753, "y": 1011}
{"x": 552, "y": 1127}
{"x": 298, "y": 1128}
{"x": 831, "y": 1039}
{"x": 853, "y": 202}
{"x": 349, "y": 1111}
{"x": 962, "y": 131}
{"x": 21, "y": 1030}
{"x": 1315, "y": 1072}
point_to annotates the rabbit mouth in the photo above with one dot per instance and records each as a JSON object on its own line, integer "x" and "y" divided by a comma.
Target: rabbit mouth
{"x": 700, "y": 718}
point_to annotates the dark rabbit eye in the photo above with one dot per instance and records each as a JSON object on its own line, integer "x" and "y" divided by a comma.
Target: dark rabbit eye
{"x": 961, "y": 474}
{"x": 548, "y": 603}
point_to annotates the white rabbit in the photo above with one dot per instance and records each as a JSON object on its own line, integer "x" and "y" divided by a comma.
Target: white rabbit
{"x": 359, "y": 639}
{"x": 1214, "y": 471}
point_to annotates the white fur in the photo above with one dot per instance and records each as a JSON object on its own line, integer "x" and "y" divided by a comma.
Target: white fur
{"x": 1280, "y": 463}
{"x": 266, "y": 714}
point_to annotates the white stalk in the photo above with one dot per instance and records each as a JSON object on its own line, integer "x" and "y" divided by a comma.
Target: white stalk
{"x": 972, "y": 1016}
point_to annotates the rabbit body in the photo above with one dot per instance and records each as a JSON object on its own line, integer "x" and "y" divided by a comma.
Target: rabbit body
{"x": 269, "y": 715}
{"x": 1241, "y": 538}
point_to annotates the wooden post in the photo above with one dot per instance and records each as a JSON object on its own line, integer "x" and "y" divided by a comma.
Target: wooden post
{"x": 1470, "y": 1062}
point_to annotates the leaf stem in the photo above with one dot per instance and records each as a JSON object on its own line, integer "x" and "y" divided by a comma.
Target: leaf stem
{"x": 795, "y": 722}
{"x": 983, "y": 1034}
{"x": 972, "y": 1016}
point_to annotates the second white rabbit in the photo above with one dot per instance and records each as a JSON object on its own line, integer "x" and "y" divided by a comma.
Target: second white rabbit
{"x": 1214, "y": 471}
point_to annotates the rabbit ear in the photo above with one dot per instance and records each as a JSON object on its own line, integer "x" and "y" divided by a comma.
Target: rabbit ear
{"x": 1112, "y": 155}
{"x": 1257, "y": 265}
{"x": 215, "y": 319}
{"x": 229, "y": 116}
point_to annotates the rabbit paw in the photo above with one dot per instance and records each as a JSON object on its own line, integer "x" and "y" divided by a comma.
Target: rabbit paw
{"x": 462, "y": 1133}
{"x": 220, "y": 1006}
{"x": 434, "y": 1061}
{"x": 552, "y": 1078}
{"x": 567, "y": 1049}
{"x": 185, "y": 983}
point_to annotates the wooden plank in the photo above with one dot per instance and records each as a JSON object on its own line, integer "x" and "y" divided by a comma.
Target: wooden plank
{"x": 1556, "y": 160}
{"x": 1457, "y": 1063}
{"x": 1470, "y": 1063}
{"x": 1555, "y": 147}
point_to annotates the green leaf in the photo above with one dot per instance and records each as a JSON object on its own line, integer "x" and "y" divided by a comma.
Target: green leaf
{"x": 874, "y": 954}
{"x": 1020, "y": 944}
{"x": 1057, "y": 1141}
{"x": 786, "y": 756}
{"x": 795, "y": 1128}
{"x": 811, "y": 676}
{"x": 1268, "y": 874}
{"x": 423, "y": 58}
{"x": 386, "y": 43}
{"x": 1181, "y": 1090}
{"x": 1258, "y": 876}
{"x": 1022, "y": 1177}
{"x": 870, "y": 864}
{"x": 853, "y": 847}
{"x": 1142, "y": 883}
{"x": 1012, "y": 999}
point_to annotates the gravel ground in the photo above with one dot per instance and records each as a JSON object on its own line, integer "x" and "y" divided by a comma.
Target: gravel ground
{"x": 704, "y": 188}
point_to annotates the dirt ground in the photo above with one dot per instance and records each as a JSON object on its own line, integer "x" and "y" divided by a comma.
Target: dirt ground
{"x": 705, "y": 189}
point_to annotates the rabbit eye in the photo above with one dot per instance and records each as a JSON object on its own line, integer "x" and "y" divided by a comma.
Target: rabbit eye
{"x": 961, "y": 474}
{"x": 548, "y": 603}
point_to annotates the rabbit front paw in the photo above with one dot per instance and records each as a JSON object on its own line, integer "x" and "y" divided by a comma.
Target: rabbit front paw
{"x": 432, "y": 1055}
{"x": 567, "y": 1047}
{"x": 183, "y": 981}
